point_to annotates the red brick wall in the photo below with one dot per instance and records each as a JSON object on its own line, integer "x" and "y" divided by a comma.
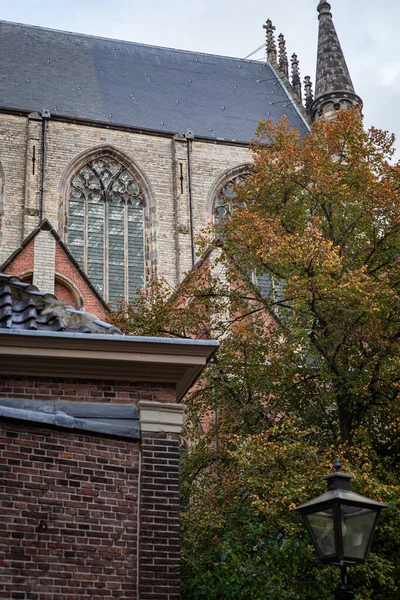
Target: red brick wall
{"x": 159, "y": 572}
{"x": 118, "y": 392}
{"x": 23, "y": 262}
{"x": 64, "y": 294}
{"x": 68, "y": 515}
{"x": 90, "y": 303}
{"x": 64, "y": 266}
{"x": 69, "y": 502}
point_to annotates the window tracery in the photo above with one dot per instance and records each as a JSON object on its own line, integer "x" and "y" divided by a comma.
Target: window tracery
{"x": 106, "y": 227}
{"x": 225, "y": 201}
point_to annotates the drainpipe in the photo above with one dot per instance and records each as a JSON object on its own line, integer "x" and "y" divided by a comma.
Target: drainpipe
{"x": 46, "y": 115}
{"x": 189, "y": 135}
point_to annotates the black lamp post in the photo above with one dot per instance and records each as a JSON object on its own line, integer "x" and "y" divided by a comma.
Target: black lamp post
{"x": 341, "y": 524}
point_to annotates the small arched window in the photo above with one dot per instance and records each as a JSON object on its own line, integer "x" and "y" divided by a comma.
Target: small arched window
{"x": 106, "y": 227}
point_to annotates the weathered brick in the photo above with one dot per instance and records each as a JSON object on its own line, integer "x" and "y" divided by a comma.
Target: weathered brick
{"x": 69, "y": 503}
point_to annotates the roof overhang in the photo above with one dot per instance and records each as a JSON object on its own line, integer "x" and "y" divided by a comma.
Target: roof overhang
{"x": 124, "y": 358}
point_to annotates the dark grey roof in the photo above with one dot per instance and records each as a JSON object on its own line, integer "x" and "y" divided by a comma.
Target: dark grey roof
{"x": 111, "y": 419}
{"x": 136, "y": 85}
{"x": 23, "y": 306}
{"x": 332, "y": 72}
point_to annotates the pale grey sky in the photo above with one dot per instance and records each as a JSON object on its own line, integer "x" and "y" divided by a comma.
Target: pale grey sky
{"x": 368, "y": 31}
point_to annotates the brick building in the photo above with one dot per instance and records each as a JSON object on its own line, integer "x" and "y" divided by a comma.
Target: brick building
{"x": 90, "y": 425}
{"x": 113, "y": 158}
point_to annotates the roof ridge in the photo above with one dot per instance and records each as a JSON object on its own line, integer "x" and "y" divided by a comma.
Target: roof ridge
{"x": 129, "y": 42}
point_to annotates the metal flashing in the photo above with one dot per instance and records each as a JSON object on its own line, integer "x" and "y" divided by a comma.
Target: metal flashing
{"x": 109, "y": 419}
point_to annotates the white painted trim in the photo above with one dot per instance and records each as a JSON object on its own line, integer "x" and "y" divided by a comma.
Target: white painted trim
{"x": 160, "y": 417}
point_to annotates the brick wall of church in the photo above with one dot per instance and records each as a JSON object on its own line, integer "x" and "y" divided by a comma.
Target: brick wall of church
{"x": 159, "y": 159}
{"x": 23, "y": 263}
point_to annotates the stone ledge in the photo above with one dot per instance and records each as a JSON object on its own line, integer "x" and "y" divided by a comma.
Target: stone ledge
{"x": 160, "y": 417}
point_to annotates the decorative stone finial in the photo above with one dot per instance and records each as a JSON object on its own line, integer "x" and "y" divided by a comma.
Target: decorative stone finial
{"x": 283, "y": 58}
{"x": 296, "y": 82}
{"x": 271, "y": 44}
{"x": 308, "y": 92}
{"x": 324, "y": 7}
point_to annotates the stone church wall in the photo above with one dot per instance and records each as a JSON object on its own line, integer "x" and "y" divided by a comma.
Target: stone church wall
{"x": 160, "y": 162}
{"x": 13, "y": 142}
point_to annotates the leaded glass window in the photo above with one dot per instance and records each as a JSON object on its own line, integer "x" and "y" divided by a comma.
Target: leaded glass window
{"x": 225, "y": 200}
{"x": 270, "y": 287}
{"x": 106, "y": 227}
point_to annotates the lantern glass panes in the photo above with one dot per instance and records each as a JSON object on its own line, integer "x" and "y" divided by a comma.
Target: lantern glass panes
{"x": 323, "y": 529}
{"x": 358, "y": 525}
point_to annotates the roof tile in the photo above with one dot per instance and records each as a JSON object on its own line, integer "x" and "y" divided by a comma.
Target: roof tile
{"x": 23, "y": 306}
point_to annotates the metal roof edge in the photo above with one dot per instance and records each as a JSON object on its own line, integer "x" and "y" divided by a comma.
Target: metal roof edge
{"x": 129, "y": 42}
{"x": 179, "y": 362}
{"x": 292, "y": 102}
{"x": 114, "y": 338}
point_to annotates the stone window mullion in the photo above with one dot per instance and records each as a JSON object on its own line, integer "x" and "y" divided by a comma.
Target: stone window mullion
{"x": 126, "y": 251}
{"x": 86, "y": 236}
{"x": 106, "y": 253}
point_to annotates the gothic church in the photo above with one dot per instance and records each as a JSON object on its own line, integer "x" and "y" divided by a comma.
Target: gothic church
{"x": 115, "y": 155}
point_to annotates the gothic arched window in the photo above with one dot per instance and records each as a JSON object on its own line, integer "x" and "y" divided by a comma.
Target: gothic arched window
{"x": 224, "y": 202}
{"x": 269, "y": 286}
{"x": 106, "y": 227}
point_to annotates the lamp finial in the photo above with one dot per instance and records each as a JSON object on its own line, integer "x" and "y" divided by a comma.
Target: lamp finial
{"x": 337, "y": 465}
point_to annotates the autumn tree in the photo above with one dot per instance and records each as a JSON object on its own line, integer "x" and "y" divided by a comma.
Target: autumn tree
{"x": 302, "y": 289}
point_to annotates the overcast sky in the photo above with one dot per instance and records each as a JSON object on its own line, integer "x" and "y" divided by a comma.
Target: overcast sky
{"x": 368, "y": 29}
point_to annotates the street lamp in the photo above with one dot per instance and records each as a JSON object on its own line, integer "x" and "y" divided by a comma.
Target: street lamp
{"x": 341, "y": 524}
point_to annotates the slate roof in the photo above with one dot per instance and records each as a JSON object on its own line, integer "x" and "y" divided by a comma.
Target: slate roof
{"x": 111, "y": 419}
{"x": 23, "y": 306}
{"x": 128, "y": 84}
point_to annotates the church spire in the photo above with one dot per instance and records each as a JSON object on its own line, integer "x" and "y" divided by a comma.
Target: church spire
{"x": 334, "y": 88}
